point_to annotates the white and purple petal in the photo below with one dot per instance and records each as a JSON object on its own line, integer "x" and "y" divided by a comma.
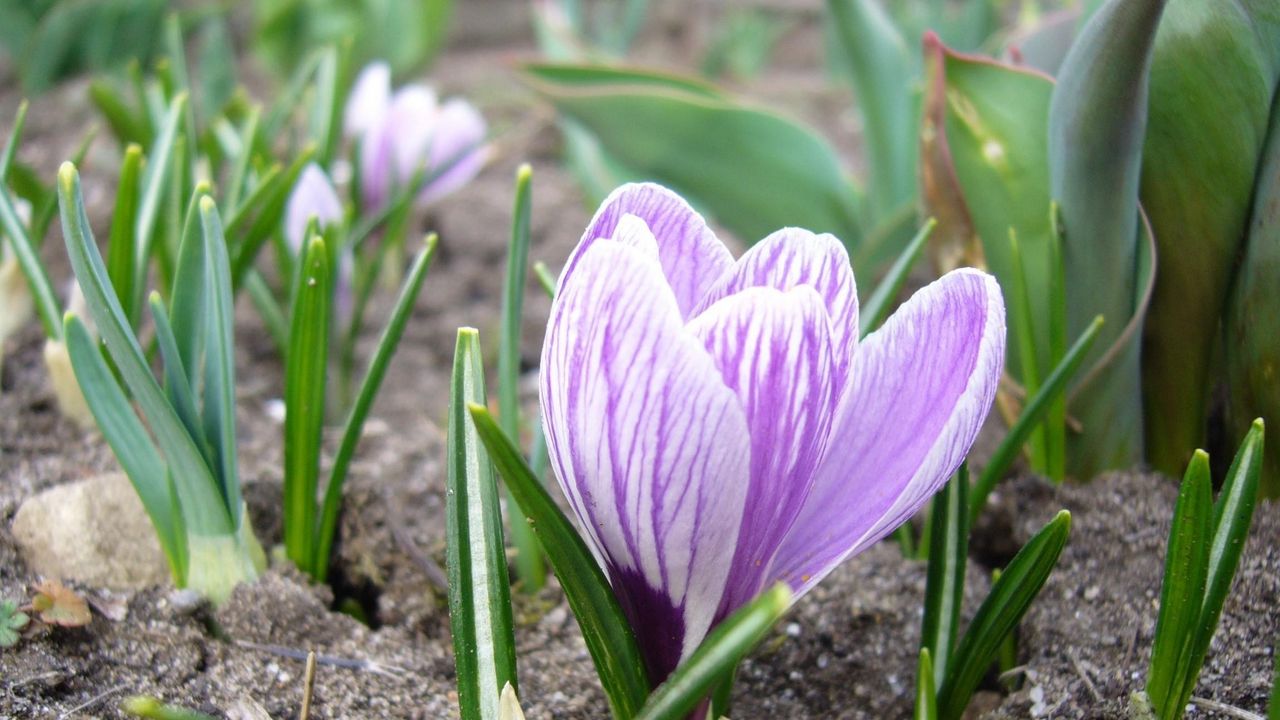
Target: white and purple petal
{"x": 774, "y": 350}
{"x": 457, "y": 152}
{"x": 793, "y": 257}
{"x": 649, "y": 444}
{"x": 921, "y": 387}
{"x": 692, "y": 258}
{"x": 313, "y": 197}
{"x": 368, "y": 101}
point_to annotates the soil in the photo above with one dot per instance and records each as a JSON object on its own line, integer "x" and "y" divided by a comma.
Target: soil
{"x": 846, "y": 650}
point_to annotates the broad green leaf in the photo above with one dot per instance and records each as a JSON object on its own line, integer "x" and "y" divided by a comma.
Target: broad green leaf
{"x": 1214, "y": 76}
{"x": 1252, "y": 323}
{"x": 528, "y": 559}
{"x": 202, "y": 501}
{"x": 1232, "y": 516}
{"x": 1097, "y": 122}
{"x": 1000, "y": 613}
{"x": 1032, "y": 414}
{"x": 306, "y": 363}
{"x": 944, "y": 586}
{"x": 754, "y": 170}
{"x": 388, "y": 343}
{"x": 130, "y": 443}
{"x": 984, "y": 171}
{"x": 608, "y": 636}
{"x": 885, "y": 79}
{"x": 479, "y": 588}
{"x": 926, "y": 695}
{"x": 1045, "y": 44}
{"x": 723, "y": 649}
{"x": 1182, "y": 590}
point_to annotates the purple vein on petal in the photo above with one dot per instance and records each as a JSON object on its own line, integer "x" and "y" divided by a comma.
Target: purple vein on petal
{"x": 922, "y": 386}
{"x": 648, "y": 443}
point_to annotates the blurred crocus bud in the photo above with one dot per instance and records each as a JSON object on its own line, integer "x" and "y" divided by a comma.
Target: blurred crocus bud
{"x": 312, "y": 197}
{"x": 409, "y": 131}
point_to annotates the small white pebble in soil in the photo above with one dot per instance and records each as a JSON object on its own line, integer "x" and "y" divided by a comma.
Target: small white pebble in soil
{"x": 796, "y": 675}
{"x": 793, "y": 630}
{"x": 824, "y": 660}
{"x": 274, "y": 410}
{"x": 1036, "y": 695}
{"x": 1092, "y": 593}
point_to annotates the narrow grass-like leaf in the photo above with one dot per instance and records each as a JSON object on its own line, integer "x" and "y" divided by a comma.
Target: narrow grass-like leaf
{"x": 15, "y": 137}
{"x": 1032, "y": 413}
{"x": 608, "y": 635}
{"x": 944, "y": 587}
{"x": 479, "y": 588}
{"x": 122, "y": 243}
{"x": 1232, "y": 516}
{"x": 239, "y": 172}
{"x": 1055, "y": 423}
{"x": 528, "y": 560}
{"x": 126, "y": 124}
{"x": 545, "y": 279}
{"x": 219, "y": 362}
{"x": 325, "y": 118}
{"x": 723, "y": 649}
{"x": 189, "y": 294}
{"x": 1024, "y": 335}
{"x": 352, "y": 429}
{"x": 290, "y": 98}
{"x": 1182, "y": 591}
{"x": 202, "y": 502}
{"x": 926, "y": 696}
{"x": 267, "y": 220}
{"x": 1000, "y": 613}
{"x": 269, "y": 310}
{"x": 128, "y": 438}
{"x": 877, "y": 307}
{"x": 306, "y": 362}
{"x": 154, "y": 180}
{"x": 46, "y": 300}
{"x": 176, "y": 385}
{"x": 152, "y": 709}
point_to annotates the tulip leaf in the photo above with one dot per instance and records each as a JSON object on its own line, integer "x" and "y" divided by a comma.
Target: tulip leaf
{"x": 608, "y": 636}
{"x": 1097, "y": 122}
{"x": 984, "y": 171}
{"x": 1214, "y": 77}
{"x": 944, "y": 586}
{"x": 1182, "y": 591}
{"x": 1037, "y": 407}
{"x": 1044, "y": 45}
{"x": 479, "y": 599}
{"x": 1000, "y": 613}
{"x": 754, "y": 170}
{"x": 926, "y": 696}
{"x": 528, "y": 558}
{"x": 386, "y": 348}
{"x": 306, "y": 365}
{"x": 883, "y": 70}
{"x": 1253, "y": 321}
{"x": 718, "y": 654}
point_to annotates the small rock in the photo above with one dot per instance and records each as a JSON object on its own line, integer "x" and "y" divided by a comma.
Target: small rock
{"x": 93, "y": 531}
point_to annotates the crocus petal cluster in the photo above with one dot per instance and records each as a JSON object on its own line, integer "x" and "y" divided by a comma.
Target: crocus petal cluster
{"x": 404, "y": 132}
{"x": 313, "y": 197}
{"x": 718, "y": 425}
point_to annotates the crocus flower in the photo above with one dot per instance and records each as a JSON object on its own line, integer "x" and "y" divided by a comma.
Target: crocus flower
{"x": 718, "y": 426}
{"x": 403, "y": 132}
{"x": 313, "y": 197}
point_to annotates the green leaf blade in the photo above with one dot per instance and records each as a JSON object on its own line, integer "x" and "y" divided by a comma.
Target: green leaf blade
{"x": 944, "y": 584}
{"x": 609, "y": 638}
{"x": 479, "y": 599}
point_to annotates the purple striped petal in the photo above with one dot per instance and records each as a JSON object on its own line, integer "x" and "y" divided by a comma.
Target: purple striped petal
{"x": 648, "y": 443}
{"x": 774, "y": 350}
{"x": 921, "y": 387}
{"x": 395, "y": 148}
{"x": 312, "y": 197}
{"x": 368, "y": 101}
{"x": 793, "y": 257}
{"x": 457, "y": 144}
{"x": 693, "y": 259}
